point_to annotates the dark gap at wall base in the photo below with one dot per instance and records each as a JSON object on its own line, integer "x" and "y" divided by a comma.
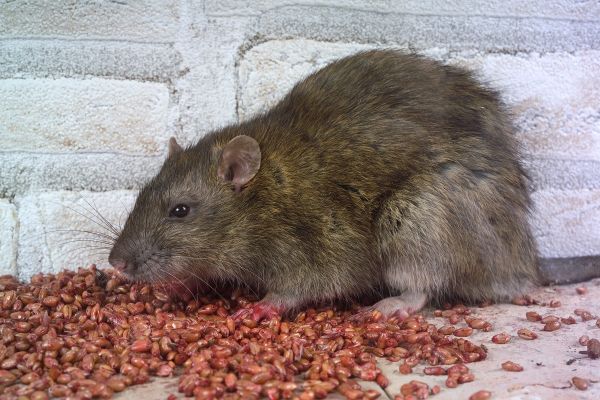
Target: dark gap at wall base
{"x": 569, "y": 270}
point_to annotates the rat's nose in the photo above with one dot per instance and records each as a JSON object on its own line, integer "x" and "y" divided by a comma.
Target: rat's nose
{"x": 118, "y": 264}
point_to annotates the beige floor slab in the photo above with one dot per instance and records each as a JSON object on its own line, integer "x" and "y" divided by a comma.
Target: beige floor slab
{"x": 546, "y": 376}
{"x": 546, "y": 373}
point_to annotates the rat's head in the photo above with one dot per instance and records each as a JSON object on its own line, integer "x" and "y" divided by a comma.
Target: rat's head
{"x": 184, "y": 220}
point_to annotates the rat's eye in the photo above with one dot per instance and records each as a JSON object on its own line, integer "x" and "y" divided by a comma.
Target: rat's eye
{"x": 179, "y": 211}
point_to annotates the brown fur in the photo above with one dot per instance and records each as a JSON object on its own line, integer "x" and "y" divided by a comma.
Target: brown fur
{"x": 381, "y": 169}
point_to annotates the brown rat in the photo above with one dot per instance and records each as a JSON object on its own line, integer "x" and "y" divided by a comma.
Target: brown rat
{"x": 380, "y": 170}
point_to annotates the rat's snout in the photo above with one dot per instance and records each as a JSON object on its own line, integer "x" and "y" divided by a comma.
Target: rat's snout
{"x": 120, "y": 262}
{"x": 132, "y": 260}
{"x": 117, "y": 263}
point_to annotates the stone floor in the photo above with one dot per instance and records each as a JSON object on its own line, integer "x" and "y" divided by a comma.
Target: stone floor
{"x": 549, "y": 362}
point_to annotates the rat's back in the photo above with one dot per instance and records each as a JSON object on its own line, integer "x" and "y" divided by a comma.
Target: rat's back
{"x": 430, "y": 161}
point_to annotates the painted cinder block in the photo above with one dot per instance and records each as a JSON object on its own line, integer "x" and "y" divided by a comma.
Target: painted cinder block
{"x": 565, "y": 222}
{"x": 22, "y": 172}
{"x": 64, "y": 230}
{"x": 145, "y": 21}
{"x": 92, "y": 115}
{"x": 8, "y": 238}
{"x": 37, "y": 58}
{"x": 557, "y": 9}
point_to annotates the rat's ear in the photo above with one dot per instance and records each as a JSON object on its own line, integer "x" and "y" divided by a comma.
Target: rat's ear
{"x": 174, "y": 147}
{"x": 239, "y": 161}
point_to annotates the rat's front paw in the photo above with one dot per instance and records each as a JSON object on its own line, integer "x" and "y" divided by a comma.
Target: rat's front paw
{"x": 258, "y": 311}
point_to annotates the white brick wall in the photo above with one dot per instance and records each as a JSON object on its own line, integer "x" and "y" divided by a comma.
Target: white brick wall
{"x": 90, "y": 91}
{"x": 55, "y": 228}
{"x": 566, "y": 222}
{"x": 8, "y": 243}
{"x": 91, "y": 115}
{"x": 146, "y": 21}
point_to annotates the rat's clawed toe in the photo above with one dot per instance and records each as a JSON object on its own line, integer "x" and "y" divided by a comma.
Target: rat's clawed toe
{"x": 258, "y": 312}
{"x": 400, "y": 307}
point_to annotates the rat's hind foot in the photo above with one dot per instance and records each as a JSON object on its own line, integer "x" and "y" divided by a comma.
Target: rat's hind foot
{"x": 399, "y": 307}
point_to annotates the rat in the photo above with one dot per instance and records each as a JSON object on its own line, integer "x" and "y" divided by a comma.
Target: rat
{"x": 381, "y": 170}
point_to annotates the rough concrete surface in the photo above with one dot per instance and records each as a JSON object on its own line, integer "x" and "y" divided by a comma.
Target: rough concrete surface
{"x": 546, "y": 373}
{"x": 549, "y": 362}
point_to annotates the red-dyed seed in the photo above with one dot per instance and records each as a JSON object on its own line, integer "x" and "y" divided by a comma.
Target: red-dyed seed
{"x": 587, "y": 316}
{"x": 580, "y": 383}
{"x": 164, "y": 370}
{"x": 526, "y": 334}
{"x": 552, "y": 326}
{"x": 405, "y": 369}
{"x": 7, "y": 378}
{"x": 59, "y": 391}
{"x": 554, "y": 303}
{"x": 549, "y": 318}
{"x": 382, "y": 380}
{"x": 511, "y": 366}
{"x": 39, "y": 395}
{"x": 434, "y": 371}
{"x": 593, "y": 348}
{"x": 451, "y": 382}
{"x": 463, "y": 332}
{"x": 533, "y": 316}
{"x": 481, "y": 395}
{"x": 447, "y": 329}
{"x": 50, "y": 301}
{"x": 141, "y": 345}
{"x": 581, "y": 290}
{"x": 457, "y": 369}
{"x": 22, "y": 326}
{"x": 477, "y": 323}
{"x": 117, "y": 384}
{"x": 501, "y": 338}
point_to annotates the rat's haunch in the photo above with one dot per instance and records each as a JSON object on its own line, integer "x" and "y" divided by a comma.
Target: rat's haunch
{"x": 382, "y": 172}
